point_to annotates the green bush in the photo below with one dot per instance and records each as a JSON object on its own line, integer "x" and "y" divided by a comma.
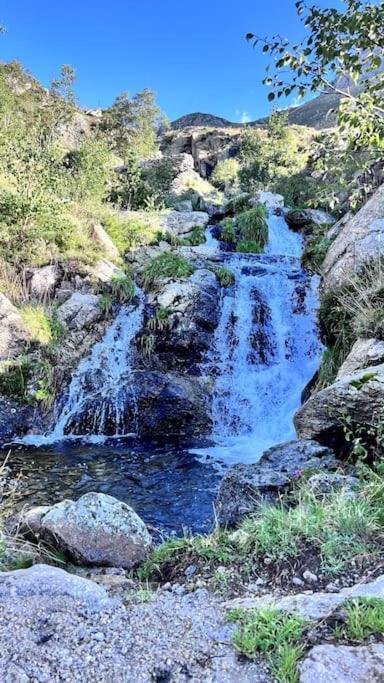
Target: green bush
{"x": 226, "y": 174}
{"x": 128, "y": 232}
{"x": 238, "y": 204}
{"x": 248, "y": 247}
{"x": 228, "y": 230}
{"x": 27, "y": 380}
{"x": 225, "y": 276}
{"x": 43, "y": 328}
{"x": 167, "y": 265}
{"x": 253, "y": 226}
{"x": 316, "y": 247}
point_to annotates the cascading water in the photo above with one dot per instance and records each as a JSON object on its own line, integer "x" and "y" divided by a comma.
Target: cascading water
{"x": 267, "y": 348}
{"x": 101, "y": 388}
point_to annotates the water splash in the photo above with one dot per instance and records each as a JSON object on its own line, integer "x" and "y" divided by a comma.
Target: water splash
{"x": 100, "y": 400}
{"x": 267, "y": 348}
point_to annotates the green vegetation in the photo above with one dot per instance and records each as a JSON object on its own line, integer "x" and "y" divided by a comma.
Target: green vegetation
{"x": 248, "y": 247}
{"x": 253, "y": 225}
{"x": 196, "y": 237}
{"x": 225, "y": 276}
{"x": 271, "y": 633}
{"x": 27, "y": 380}
{"x": 238, "y": 204}
{"x": 333, "y": 527}
{"x": 364, "y": 617}
{"x": 316, "y": 247}
{"x": 228, "y": 230}
{"x": 226, "y": 174}
{"x": 44, "y": 329}
{"x": 167, "y": 265}
{"x": 128, "y": 232}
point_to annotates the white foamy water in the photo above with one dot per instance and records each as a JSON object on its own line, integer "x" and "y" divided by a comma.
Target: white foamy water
{"x": 97, "y": 394}
{"x": 267, "y": 348}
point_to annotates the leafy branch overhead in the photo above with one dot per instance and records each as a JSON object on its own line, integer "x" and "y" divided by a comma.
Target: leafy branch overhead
{"x": 342, "y": 54}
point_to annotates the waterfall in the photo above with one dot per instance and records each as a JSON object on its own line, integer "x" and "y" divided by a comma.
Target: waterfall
{"x": 100, "y": 400}
{"x": 267, "y": 347}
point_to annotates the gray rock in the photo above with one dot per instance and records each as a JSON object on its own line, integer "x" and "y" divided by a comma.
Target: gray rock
{"x": 245, "y": 487}
{"x": 359, "y": 241}
{"x": 97, "y": 530}
{"x": 79, "y": 311}
{"x": 105, "y": 271}
{"x": 335, "y": 230}
{"x": 46, "y": 581}
{"x": 302, "y": 218}
{"x": 13, "y": 334}
{"x": 309, "y": 577}
{"x": 270, "y": 199}
{"x": 314, "y": 606}
{"x": 102, "y": 238}
{"x": 323, "y": 415}
{"x": 325, "y": 483}
{"x": 43, "y": 281}
{"x": 365, "y": 353}
{"x": 342, "y": 664}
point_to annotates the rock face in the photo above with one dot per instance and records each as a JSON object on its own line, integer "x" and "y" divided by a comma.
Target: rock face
{"x": 41, "y": 580}
{"x": 302, "y": 218}
{"x": 13, "y": 335}
{"x": 245, "y": 487}
{"x": 79, "y": 311}
{"x": 95, "y": 530}
{"x": 342, "y": 664}
{"x": 207, "y": 145}
{"x": 359, "y": 241}
{"x": 360, "y": 394}
{"x": 365, "y": 353}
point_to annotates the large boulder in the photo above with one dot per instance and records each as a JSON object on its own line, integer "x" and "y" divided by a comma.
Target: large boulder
{"x": 171, "y": 405}
{"x": 105, "y": 271}
{"x": 365, "y": 353}
{"x": 94, "y": 530}
{"x": 358, "y": 396}
{"x": 359, "y": 241}
{"x": 45, "y": 582}
{"x": 13, "y": 334}
{"x": 79, "y": 311}
{"x": 245, "y": 487}
{"x": 343, "y": 664}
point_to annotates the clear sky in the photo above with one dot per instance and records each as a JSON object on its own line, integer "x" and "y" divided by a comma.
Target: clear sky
{"x": 192, "y": 53}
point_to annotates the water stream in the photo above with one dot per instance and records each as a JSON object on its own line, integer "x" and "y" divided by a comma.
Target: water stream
{"x": 266, "y": 350}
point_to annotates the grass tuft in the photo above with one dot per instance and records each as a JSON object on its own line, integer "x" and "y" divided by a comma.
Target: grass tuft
{"x": 167, "y": 265}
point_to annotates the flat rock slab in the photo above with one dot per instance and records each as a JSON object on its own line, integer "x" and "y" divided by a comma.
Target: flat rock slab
{"x": 312, "y": 605}
{"x": 342, "y": 664}
{"x": 178, "y": 638}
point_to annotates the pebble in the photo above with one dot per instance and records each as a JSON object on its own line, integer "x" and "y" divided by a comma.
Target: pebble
{"x": 297, "y": 582}
{"x": 309, "y": 577}
{"x": 191, "y": 570}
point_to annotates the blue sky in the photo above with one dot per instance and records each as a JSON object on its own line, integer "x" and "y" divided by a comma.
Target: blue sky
{"x": 193, "y": 54}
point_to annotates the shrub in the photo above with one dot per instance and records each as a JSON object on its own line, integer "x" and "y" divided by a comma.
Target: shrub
{"x": 128, "y": 232}
{"x": 27, "y": 380}
{"x": 167, "y": 265}
{"x": 225, "y": 276}
{"x": 226, "y": 174}
{"x": 253, "y": 225}
{"x": 228, "y": 230}
{"x": 43, "y": 328}
{"x": 315, "y": 249}
{"x": 238, "y": 204}
{"x": 248, "y": 247}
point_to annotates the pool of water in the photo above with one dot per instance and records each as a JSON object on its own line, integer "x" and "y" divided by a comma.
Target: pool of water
{"x": 168, "y": 486}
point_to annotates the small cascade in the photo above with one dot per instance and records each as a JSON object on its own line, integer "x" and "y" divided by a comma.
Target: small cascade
{"x": 267, "y": 347}
{"x": 100, "y": 400}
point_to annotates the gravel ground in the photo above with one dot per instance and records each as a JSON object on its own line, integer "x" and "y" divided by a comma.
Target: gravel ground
{"x": 170, "y": 638}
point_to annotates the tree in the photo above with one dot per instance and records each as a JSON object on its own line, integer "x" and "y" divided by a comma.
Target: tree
{"x": 131, "y": 124}
{"x": 341, "y": 53}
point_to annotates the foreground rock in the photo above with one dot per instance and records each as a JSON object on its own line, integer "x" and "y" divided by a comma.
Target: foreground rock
{"x": 13, "y": 334}
{"x": 43, "y": 581}
{"x": 48, "y": 633}
{"x": 245, "y": 487}
{"x": 313, "y": 606}
{"x": 342, "y": 664}
{"x": 365, "y": 353}
{"x": 79, "y": 311}
{"x": 358, "y": 396}
{"x": 95, "y": 530}
{"x": 359, "y": 241}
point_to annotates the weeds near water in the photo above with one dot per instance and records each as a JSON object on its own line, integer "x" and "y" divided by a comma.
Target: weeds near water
{"x": 364, "y": 617}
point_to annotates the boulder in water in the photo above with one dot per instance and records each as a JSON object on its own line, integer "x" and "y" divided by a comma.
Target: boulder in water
{"x": 300, "y": 219}
{"x": 95, "y": 530}
{"x": 245, "y": 487}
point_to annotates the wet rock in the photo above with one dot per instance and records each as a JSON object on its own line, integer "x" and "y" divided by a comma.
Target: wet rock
{"x": 79, "y": 311}
{"x": 342, "y": 664}
{"x": 245, "y": 487}
{"x": 359, "y": 241}
{"x": 323, "y": 415}
{"x": 42, "y": 282}
{"x": 365, "y": 353}
{"x": 302, "y": 218}
{"x": 13, "y": 334}
{"x": 325, "y": 483}
{"x": 171, "y": 405}
{"x": 15, "y": 420}
{"x": 97, "y": 530}
{"x": 51, "y": 582}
